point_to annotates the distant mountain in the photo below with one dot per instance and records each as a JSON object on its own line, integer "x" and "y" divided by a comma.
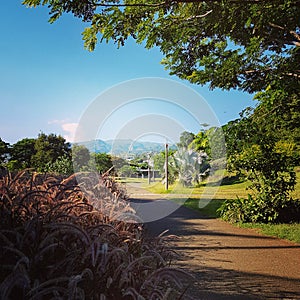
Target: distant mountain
{"x": 96, "y": 146}
{"x": 119, "y": 147}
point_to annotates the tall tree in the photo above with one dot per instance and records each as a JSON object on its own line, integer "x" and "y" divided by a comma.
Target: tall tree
{"x": 251, "y": 45}
{"x": 21, "y": 154}
{"x": 241, "y": 44}
{"x": 48, "y": 149}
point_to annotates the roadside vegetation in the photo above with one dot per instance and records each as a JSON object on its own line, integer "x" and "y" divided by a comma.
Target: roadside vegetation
{"x": 65, "y": 241}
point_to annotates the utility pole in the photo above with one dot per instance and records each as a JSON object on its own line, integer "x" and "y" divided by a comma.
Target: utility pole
{"x": 149, "y": 170}
{"x": 149, "y": 175}
{"x": 166, "y": 168}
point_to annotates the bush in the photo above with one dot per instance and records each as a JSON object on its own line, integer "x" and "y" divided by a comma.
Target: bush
{"x": 65, "y": 241}
{"x": 260, "y": 210}
{"x": 62, "y": 166}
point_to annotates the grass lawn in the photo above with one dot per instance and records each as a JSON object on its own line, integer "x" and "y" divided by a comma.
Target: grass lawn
{"x": 289, "y": 232}
{"x": 227, "y": 191}
{"x": 208, "y": 210}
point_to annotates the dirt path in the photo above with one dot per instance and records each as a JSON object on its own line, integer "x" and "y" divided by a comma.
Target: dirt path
{"x": 229, "y": 262}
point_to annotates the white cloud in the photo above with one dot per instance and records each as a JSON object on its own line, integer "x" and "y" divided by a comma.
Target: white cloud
{"x": 59, "y": 122}
{"x": 70, "y": 129}
{"x": 67, "y": 128}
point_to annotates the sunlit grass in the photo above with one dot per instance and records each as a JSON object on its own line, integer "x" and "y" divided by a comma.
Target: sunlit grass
{"x": 224, "y": 191}
{"x": 208, "y": 210}
{"x": 284, "y": 231}
{"x": 203, "y": 191}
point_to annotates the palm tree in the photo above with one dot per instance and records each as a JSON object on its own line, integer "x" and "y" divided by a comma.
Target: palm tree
{"x": 192, "y": 166}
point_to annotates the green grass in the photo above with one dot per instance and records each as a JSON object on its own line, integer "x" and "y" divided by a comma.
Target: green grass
{"x": 209, "y": 210}
{"x": 131, "y": 180}
{"x": 228, "y": 191}
{"x": 289, "y": 232}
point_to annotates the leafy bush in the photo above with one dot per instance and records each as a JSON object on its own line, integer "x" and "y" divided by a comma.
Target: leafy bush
{"x": 260, "y": 210}
{"x": 270, "y": 166}
{"x": 66, "y": 241}
{"x": 63, "y": 166}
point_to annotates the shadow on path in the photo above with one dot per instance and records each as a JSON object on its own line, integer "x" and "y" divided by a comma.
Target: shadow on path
{"x": 230, "y": 262}
{"x": 218, "y": 283}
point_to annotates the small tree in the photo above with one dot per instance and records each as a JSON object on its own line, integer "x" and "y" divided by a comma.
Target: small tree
{"x": 159, "y": 160}
{"x": 102, "y": 162}
{"x": 192, "y": 166}
{"x": 127, "y": 171}
{"x": 80, "y": 158}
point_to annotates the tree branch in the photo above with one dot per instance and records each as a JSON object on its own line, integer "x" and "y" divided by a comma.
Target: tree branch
{"x": 132, "y": 4}
{"x": 199, "y": 16}
{"x": 161, "y": 4}
{"x": 292, "y": 75}
{"x": 292, "y": 32}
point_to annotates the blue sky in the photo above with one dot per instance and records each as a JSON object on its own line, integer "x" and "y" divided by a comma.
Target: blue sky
{"x": 47, "y": 78}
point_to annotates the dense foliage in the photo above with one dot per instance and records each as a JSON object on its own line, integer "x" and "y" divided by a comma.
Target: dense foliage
{"x": 21, "y": 154}
{"x": 3, "y": 151}
{"x": 265, "y": 150}
{"x": 49, "y": 148}
{"x": 36, "y": 153}
{"x": 230, "y": 43}
{"x": 102, "y": 162}
{"x": 65, "y": 241}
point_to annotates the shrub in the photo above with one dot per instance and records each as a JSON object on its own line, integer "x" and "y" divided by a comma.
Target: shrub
{"x": 270, "y": 166}
{"x": 63, "y": 166}
{"x": 260, "y": 209}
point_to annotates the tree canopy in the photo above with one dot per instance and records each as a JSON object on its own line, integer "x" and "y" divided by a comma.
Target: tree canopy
{"x": 80, "y": 157}
{"x": 48, "y": 148}
{"x": 3, "y": 151}
{"x": 243, "y": 44}
{"x": 21, "y": 154}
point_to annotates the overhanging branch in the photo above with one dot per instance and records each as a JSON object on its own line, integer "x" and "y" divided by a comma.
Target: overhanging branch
{"x": 163, "y": 3}
{"x": 292, "y": 32}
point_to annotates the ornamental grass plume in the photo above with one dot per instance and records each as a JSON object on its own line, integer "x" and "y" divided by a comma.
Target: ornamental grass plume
{"x": 64, "y": 240}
